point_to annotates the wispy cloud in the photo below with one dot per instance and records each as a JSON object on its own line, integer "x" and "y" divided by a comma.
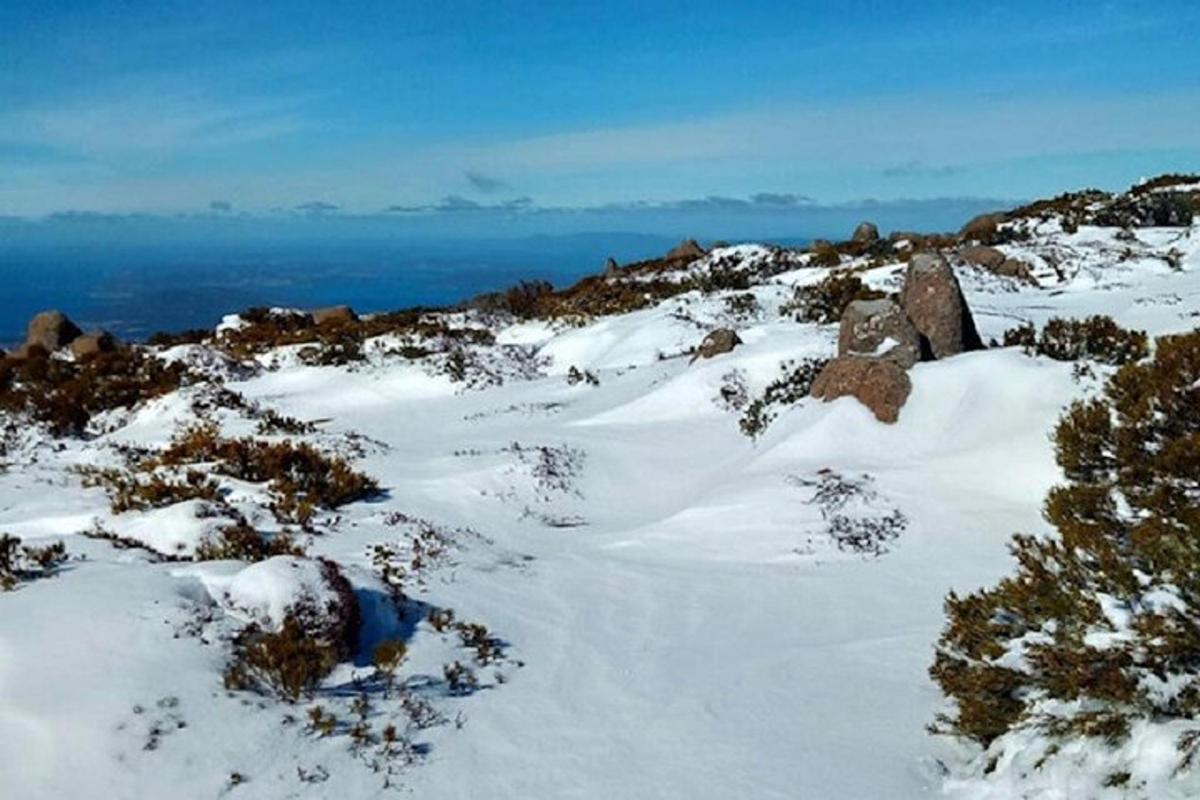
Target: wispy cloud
{"x": 916, "y": 169}
{"x": 484, "y": 183}
{"x": 317, "y": 207}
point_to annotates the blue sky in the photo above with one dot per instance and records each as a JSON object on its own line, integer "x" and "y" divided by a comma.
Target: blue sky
{"x": 489, "y": 112}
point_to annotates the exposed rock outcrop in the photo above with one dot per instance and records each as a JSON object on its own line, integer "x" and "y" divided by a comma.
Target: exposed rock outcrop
{"x": 934, "y": 302}
{"x": 983, "y": 228}
{"x": 880, "y": 384}
{"x": 334, "y": 314}
{"x": 51, "y": 330}
{"x": 865, "y": 233}
{"x": 879, "y": 328}
{"x": 90, "y": 344}
{"x": 688, "y": 249}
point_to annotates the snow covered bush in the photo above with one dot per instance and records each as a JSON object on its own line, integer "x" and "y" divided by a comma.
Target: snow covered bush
{"x": 19, "y": 563}
{"x": 1099, "y": 629}
{"x": 788, "y": 389}
{"x": 1096, "y": 338}
{"x": 823, "y": 302}
{"x": 305, "y": 620}
{"x": 241, "y": 542}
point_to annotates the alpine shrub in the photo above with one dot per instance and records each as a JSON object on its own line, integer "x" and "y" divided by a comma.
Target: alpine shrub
{"x": 1100, "y": 624}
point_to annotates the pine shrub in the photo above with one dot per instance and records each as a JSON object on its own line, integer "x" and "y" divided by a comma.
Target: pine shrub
{"x": 823, "y": 302}
{"x": 1100, "y": 624}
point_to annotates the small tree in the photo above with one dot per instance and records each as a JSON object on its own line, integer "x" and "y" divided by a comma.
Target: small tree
{"x": 1100, "y": 625}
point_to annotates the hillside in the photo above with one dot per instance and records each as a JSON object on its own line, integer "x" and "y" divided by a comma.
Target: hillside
{"x": 612, "y": 572}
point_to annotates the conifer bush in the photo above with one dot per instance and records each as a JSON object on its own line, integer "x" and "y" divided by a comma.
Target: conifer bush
{"x": 1100, "y": 624}
{"x": 1097, "y": 338}
{"x": 823, "y": 302}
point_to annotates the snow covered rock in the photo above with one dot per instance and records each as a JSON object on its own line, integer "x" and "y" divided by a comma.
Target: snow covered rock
{"x": 934, "y": 302}
{"x": 880, "y": 384}
{"x": 879, "y": 328}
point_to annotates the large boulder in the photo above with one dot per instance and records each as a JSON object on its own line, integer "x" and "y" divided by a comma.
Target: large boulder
{"x": 51, "y": 330}
{"x": 322, "y": 316}
{"x": 865, "y": 233}
{"x": 722, "y": 340}
{"x": 688, "y": 249}
{"x": 879, "y": 328}
{"x": 880, "y": 384}
{"x": 934, "y": 302}
{"x": 982, "y": 256}
{"x": 1017, "y": 270}
{"x": 90, "y": 344}
{"x": 983, "y": 228}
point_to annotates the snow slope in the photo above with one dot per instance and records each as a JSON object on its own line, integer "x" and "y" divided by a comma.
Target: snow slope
{"x": 677, "y": 621}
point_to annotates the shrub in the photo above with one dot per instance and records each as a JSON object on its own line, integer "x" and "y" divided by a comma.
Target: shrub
{"x": 301, "y": 478}
{"x": 789, "y": 389}
{"x": 241, "y": 542}
{"x": 290, "y": 663}
{"x": 1100, "y": 625}
{"x": 65, "y": 395}
{"x": 139, "y": 491}
{"x": 310, "y": 642}
{"x": 1097, "y": 338}
{"x": 823, "y": 302}
{"x": 20, "y": 563}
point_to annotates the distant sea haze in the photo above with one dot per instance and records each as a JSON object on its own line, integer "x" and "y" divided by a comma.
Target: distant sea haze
{"x": 135, "y": 292}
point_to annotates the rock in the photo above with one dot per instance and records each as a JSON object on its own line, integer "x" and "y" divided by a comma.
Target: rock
{"x": 1015, "y": 268}
{"x": 334, "y": 314}
{"x": 880, "y": 384}
{"x": 688, "y": 249}
{"x": 722, "y": 340}
{"x": 934, "y": 302}
{"x": 28, "y": 351}
{"x": 982, "y": 255}
{"x": 879, "y": 328}
{"x": 51, "y": 330}
{"x": 865, "y": 233}
{"x": 611, "y": 268}
{"x": 92, "y": 343}
{"x": 982, "y": 228}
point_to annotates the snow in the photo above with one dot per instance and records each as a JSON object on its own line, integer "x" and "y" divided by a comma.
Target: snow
{"x": 679, "y": 621}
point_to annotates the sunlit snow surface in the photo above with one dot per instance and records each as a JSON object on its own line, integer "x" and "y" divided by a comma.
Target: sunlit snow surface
{"x": 678, "y": 622}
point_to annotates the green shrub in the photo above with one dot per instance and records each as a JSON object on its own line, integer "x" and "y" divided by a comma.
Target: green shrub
{"x": 790, "y": 388}
{"x": 20, "y": 563}
{"x": 1100, "y": 625}
{"x": 1097, "y": 338}
{"x": 823, "y": 302}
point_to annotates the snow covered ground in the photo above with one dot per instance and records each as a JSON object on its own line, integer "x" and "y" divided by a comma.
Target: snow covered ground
{"x": 677, "y": 620}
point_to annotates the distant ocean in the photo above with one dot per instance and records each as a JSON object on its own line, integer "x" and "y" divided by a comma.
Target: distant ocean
{"x": 135, "y": 292}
